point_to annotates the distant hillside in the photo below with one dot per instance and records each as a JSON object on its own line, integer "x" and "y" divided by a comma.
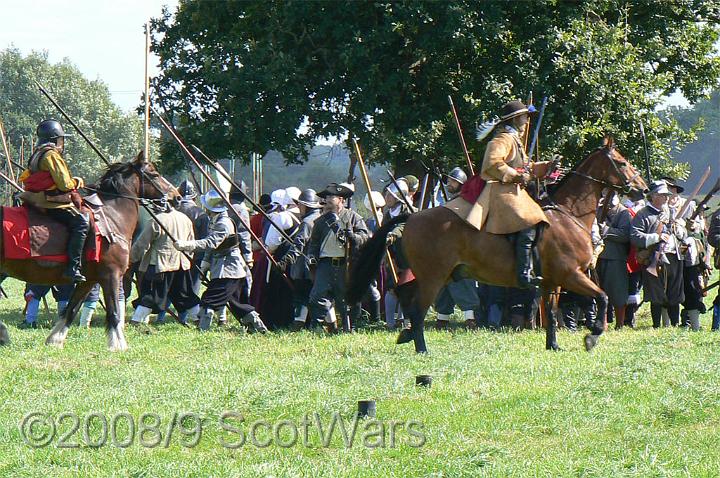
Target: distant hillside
{"x": 706, "y": 150}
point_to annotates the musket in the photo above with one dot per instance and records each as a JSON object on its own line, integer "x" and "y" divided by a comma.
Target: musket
{"x": 397, "y": 186}
{"x": 711, "y": 286}
{"x": 652, "y": 267}
{"x": 366, "y": 179}
{"x": 536, "y": 133}
{"x": 460, "y": 135}
{"x": 11, "y": 181}
{"x": 647, "y": 155}
{"x": 224, "y": 198}
{"x": 706, "y": 199}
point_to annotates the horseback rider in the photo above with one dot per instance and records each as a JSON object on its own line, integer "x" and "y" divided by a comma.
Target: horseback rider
{"x": 49, "y": 185}
{"x": 507, "y": 170}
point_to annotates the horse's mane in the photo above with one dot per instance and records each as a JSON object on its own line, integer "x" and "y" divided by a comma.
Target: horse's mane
{"x": 555, "y": 187}
{"x": 113, "y": 181}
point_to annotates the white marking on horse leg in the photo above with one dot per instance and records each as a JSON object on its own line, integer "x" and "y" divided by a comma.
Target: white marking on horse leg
{"x": 116, "y": 340}
{"x": 58, "y": 334}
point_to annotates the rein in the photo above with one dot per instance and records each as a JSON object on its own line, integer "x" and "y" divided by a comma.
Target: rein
{"x": 563, "y": 210}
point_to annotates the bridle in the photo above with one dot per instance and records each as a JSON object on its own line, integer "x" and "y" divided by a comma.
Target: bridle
{"x": 625, "y": 188}
{"x": 139, "y": 170}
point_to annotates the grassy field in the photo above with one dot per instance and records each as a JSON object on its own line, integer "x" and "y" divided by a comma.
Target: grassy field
{"x": 643, "y": 403}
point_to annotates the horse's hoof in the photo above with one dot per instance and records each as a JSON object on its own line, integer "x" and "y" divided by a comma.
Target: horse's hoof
{"x": 404, "y": 337}
{"x": 590, "y": 342}
{"x": 554, "y": 348}
{"x": 55, "y": 342}
{"x": 4, "y": 335}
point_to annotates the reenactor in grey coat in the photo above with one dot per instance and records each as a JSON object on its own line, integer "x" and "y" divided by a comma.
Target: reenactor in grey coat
{"x": 166, "y": 274}
{"x": 336, "y": 235}
{"x": 200, "y": 221}
{"x": 225, "y": 266}
{"x": 612, "y": 262}
{"x": 658, "y": 237}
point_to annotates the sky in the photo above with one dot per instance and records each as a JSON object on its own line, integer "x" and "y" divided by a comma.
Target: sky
{"x": 104, "y": 39}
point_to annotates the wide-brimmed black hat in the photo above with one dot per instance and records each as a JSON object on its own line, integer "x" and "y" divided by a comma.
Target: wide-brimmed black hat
{"x": 515, "y": 108}
{"x": 672, "y": 182}
{"x": 335, "y": 189}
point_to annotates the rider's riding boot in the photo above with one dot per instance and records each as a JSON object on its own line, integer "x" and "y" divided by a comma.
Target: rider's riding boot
{"x": 524, "y": 256}
{"x": 78, "y": 231}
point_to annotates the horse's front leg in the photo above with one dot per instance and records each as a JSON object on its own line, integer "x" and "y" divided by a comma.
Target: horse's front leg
{"x": 580, "y": 283}
{"x": 114, "y": 319}
{"x": 59, "y": 332}
{"x": 546, "y": 304}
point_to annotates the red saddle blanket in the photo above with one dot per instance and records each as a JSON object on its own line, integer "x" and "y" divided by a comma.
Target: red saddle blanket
{"x": 472, "y": 188}
{"x": 29, "y": 234}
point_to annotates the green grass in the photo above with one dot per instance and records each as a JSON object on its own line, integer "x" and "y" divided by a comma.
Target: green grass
{"x": 643, "y": 403}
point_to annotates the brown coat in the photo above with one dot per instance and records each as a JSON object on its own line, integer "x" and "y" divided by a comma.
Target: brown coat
{"x": 154, "y": 247}
{"x": 508, "y": 207}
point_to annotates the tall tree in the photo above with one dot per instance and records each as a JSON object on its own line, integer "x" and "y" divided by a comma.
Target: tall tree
{"x": 88, "y": 102}
{"x": 260, "y": 75}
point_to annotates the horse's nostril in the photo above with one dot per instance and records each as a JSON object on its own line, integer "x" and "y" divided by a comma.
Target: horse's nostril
{"x": 646, "y": 190}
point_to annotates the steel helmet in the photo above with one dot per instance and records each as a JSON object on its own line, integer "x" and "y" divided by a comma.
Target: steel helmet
{"x": 187, "y": 190}
{"x": 309, "y": 198}
{"x": 458, "y": 175}
{"x": 49, "y": 130}
{"x": 212, "y": 201}
{"x": 393, "y": 190}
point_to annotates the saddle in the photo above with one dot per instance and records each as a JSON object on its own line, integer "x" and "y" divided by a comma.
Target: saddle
{"x": 28, "y": 233}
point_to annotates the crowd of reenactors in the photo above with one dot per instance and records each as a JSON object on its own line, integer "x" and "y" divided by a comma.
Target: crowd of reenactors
{"x": 656, "y": 250}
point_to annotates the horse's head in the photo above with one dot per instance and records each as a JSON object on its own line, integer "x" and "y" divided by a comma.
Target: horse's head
{"x": 608, "y": 167}
{"x": 151, "y": 183}
{"x": 138, "y": 178}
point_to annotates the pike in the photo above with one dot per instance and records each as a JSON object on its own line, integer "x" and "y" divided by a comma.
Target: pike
{"x": 424, "y": 190}
{"x": 230, "y": 180}
{"x": 366, "y": 179}
{"x": 5, "y": 148}
{"x": 460, "y": 135}
{"x": 107, "y": 163}
{"x": 647, "y": 155}
{"x": 223, "y": 196}
{"x": 536, "y": 133}
{"x": 706, "y": 199}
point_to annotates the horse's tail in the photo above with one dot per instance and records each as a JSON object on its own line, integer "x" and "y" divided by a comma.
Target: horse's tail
{"x": 367, "y": 263}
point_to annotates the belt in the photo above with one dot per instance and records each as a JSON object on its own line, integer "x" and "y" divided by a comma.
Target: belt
{"x": 336, "y": 261}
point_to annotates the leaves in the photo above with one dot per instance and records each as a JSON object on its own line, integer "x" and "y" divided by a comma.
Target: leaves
{"x": 87, "y": 102}
{"x": 246, "y": 77}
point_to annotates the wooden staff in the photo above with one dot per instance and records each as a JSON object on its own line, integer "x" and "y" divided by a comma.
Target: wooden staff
{"x": 147, "y": 93}
{"x": 366, "y": 179}
{"x": 460, "y": 135}
{"x": 7, "y": 151}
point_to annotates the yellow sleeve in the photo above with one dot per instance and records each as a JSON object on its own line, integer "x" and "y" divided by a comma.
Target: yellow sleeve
{"x": 494, "y": 165}
{"x": 56, "y": 166}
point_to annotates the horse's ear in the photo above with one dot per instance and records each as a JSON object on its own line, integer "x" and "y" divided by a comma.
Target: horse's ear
{"x": 608, "y": 142}
{"x": 140, "y": 158}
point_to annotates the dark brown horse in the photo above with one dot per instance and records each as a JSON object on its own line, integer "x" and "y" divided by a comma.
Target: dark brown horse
{"x": 120, "y": 188}
{"x": 436, "y": 241}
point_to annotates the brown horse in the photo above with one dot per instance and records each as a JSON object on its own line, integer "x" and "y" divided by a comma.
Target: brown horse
{"x": 120, "y": 188}
{"x": 436, "y": 241}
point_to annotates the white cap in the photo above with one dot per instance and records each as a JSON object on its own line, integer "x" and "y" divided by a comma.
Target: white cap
{"x": 378, "y": 199}
{"x": 293, "y": 192}
{"x": 279, "y": 197}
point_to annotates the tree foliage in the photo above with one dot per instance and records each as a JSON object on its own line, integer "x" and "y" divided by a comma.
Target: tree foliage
{"x": 261, "y": 75}
{"x": 88, "y": 102}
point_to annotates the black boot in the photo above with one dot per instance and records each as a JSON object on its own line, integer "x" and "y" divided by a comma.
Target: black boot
{"x": 524, "y": 258}
{"x": 374, "y": 311}
{"x": 78, "y": 233}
